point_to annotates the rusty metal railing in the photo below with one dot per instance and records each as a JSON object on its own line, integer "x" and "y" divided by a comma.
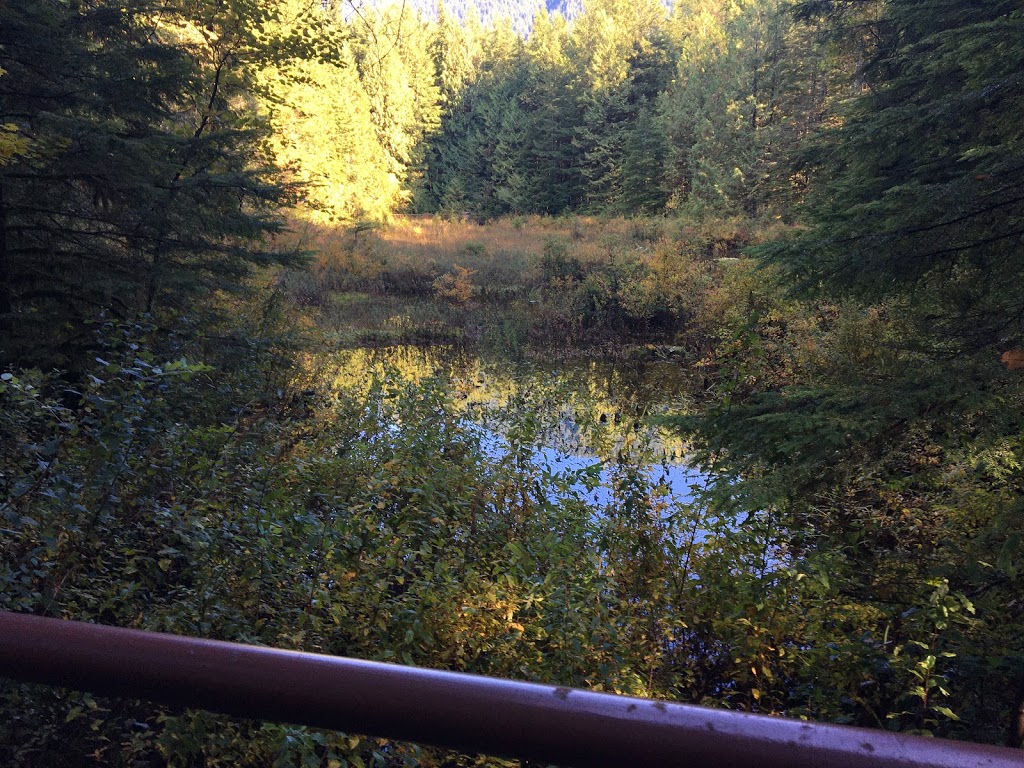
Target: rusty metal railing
{"x": 466, "y": 712}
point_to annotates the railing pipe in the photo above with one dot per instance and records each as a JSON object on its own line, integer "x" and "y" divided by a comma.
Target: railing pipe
{"x": 471, "y": 713}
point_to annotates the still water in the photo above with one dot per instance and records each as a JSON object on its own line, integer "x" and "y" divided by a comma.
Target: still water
{"x": 578, "y": 418}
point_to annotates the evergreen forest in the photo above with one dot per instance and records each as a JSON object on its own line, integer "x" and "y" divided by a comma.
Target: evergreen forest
{"x": 300, "y": 298}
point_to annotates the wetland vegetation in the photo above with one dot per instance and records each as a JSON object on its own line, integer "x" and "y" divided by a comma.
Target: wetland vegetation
{"x": 670, "y": 354}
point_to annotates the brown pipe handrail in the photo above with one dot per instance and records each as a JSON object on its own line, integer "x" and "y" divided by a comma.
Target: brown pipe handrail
{"x": 447, "y": 709}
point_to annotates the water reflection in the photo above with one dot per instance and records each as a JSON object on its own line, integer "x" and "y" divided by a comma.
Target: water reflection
{"x": 579, "y": 418}
{"x": 674, "y": 482}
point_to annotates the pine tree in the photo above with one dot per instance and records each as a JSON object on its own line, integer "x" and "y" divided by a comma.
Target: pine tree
{"x": 608, "y": 41}
{"x": 553, "y": 180}
{"x": 319, "y": 117}
{"x": 924, "y": 197}
{"x": 644, "y": 154}
{"x": 454, "y": 54}
{"x": 323, "y": 135}
{"x": 144, "y": 183}
{"x": 750, "y": 87}
{"x": 398, "y": 73}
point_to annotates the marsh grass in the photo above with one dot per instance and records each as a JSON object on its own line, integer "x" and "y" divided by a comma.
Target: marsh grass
{"x": 517, "y": 282}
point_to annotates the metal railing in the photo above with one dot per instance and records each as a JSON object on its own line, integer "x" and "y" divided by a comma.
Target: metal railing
{"x": 466, "y": 712}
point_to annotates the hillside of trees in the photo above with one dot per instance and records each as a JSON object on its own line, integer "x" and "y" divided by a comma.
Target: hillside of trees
{"x": 628, "y": 109}
{"x": 815, "y": 209}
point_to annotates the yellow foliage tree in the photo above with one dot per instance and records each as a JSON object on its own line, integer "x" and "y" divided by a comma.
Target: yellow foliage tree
{"x": 321, "y": 127}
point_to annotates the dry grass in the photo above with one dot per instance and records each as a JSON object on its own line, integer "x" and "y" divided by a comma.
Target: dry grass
{"x": 431, "y": 238}
{"x": 419, "y": 240}
{"x": 515, "y": 281}
{"x": 425, "y": 243}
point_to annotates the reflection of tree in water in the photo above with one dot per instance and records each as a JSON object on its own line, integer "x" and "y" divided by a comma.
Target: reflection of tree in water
{"x": 579, "y": 407}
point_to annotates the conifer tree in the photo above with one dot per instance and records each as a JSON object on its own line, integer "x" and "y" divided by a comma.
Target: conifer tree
{"x": 319, "y": 118}
{"x": 720, "y": 111}
{"x": 554, "y": 182}
{"x": 454, "y": 54}
{"x": 644, "y": 154}
{"x": 145, "y": 182}
{"x": 607, "y": 42}
{"x": 397, "y": 70}
{"x": 924, "y": 190}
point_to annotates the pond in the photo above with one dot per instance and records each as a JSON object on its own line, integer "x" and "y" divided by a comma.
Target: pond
{"x": 581, "y": 417}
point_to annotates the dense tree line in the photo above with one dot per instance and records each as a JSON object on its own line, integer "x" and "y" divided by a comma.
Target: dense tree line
{"x": 632, "y": 109}
{"x": 353, "y": 113}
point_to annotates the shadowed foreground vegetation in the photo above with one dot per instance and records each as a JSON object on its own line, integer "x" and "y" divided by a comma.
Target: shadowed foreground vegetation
{"x": 266, "y": 496}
